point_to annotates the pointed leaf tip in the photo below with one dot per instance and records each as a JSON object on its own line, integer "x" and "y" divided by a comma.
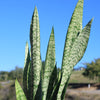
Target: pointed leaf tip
{"x": 52, "y": 29}
{"x": 19, "y": 92}
{"x": 35, "y": 10}
{"x": 92, "y": 19}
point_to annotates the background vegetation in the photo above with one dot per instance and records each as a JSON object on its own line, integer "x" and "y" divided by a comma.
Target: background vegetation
{"x": 7, "y": 90}
{"x": 92, "y": 70}
{"x": 12, "y": 75}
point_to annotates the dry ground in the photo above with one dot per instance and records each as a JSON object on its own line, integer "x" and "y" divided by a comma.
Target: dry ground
{"x": 7, "y": 91}
{"x": 84, "y": 93}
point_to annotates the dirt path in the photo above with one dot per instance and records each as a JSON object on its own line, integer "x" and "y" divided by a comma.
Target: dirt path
{"x": 84, "y": 91}
{"x": 77, "y": 94}
{"x": 5, "y": 90}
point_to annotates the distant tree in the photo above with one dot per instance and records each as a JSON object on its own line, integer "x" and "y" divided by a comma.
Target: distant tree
{"x": 3, "y": 72}
{"x": 17, "y": 73}
{"x": 11, "y": 75}
{"x": 93, "y": 70}
{"x": 3, "y": 75}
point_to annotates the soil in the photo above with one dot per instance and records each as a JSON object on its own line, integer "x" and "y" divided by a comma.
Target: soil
{"x": 83, "y": 93}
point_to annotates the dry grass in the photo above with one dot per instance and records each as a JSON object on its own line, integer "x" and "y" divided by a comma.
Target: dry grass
{"x": 77, "y": 77}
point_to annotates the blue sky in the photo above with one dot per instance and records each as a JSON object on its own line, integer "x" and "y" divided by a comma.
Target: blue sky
{"x": 15, "y": 19}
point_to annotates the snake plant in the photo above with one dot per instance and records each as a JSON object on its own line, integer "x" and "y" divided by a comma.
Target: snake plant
{"x": 45, "y": 83}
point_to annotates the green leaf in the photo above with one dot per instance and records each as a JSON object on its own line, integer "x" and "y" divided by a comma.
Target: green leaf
{"x": 30, "y": 82}
{"x": 53, "y": 95}
{"x": 64, "y": 90}
{"x": 49, "y": 64}
{"x": 52, "y": 83}
{"x": 42, "y": 69}
{"x": 38, "y": 95}
{"x": 35, "y": 51}
{"x": 55, "y": 90}
{"x": 76, "y": 53}
{"x": 19, "y": 92}
{"x": 80, "y": 45}
{"x": 27, "y": 60}
{"x": 75, "y": 26}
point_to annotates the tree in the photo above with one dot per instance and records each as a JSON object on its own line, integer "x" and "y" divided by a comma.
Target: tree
{"x": 3, "y": 75}
{"x": 17, "y": 73}
{"x": 93, "y": 70}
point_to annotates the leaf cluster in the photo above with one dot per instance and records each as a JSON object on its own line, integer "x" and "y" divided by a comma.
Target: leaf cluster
{"x": 48, "y": 83}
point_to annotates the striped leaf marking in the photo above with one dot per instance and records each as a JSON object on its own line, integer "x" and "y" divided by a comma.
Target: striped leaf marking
{"x": 38, "y": 95}
{"x": 56, "y": 88}
{"x": 80, "y": 45}
{"x": 19, "y": 92}
{"x": 76, "y": 53}
{"x": 27, "y": 60}
{"x": 35, "y": 51}
{"x": 75, "y": 26}
{"x": 49, "y": 64}
{"x": 52, "y": 83}
{"x": 30, "y": 82}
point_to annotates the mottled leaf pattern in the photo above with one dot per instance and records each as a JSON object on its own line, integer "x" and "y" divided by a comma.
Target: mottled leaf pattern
{"x": 27, "y": 60}
{"x": 55, "y": 90}
{"x": 38, "y": 95}
{"x": 35, "y": 51}
{"x": 49, "y": 64}
{"x": 76, "y": 53}
{"x": 80, "y": 45}
{"x": 44, "y": 82}
{"x": 19, "y": 92}
{"x": 30, "y": 82}
{"x": 52, "y": 83}
{"x": 75, "y": 26}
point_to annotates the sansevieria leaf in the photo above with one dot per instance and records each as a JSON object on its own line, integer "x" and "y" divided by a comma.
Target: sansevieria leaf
{"x": 19, "y": 92}
{"x": 29, "y": 82}
{"x": 76, "y": 53}
{"x": 52, "y": 83}
{"x": 26, "y": 64}
{"x": 42, "y": 80}
{"x": 80, "y": 45}
{"x": 75, "y": 26}
{"x": 49, "y": 64}
{"x": 35, "y": 51}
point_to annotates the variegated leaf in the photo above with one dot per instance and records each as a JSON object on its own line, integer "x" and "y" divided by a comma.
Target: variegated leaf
{"x": 19, "y": 92}
{"x": 76, "y": 54}
{"x": 30, "y": 82}
{"x": 35, "y": 51}
{"x": 75, "y": 26}
{"x": 27, "y": 60}
{"x": 49, "y": 64}
{"x": 52, "y": 83}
